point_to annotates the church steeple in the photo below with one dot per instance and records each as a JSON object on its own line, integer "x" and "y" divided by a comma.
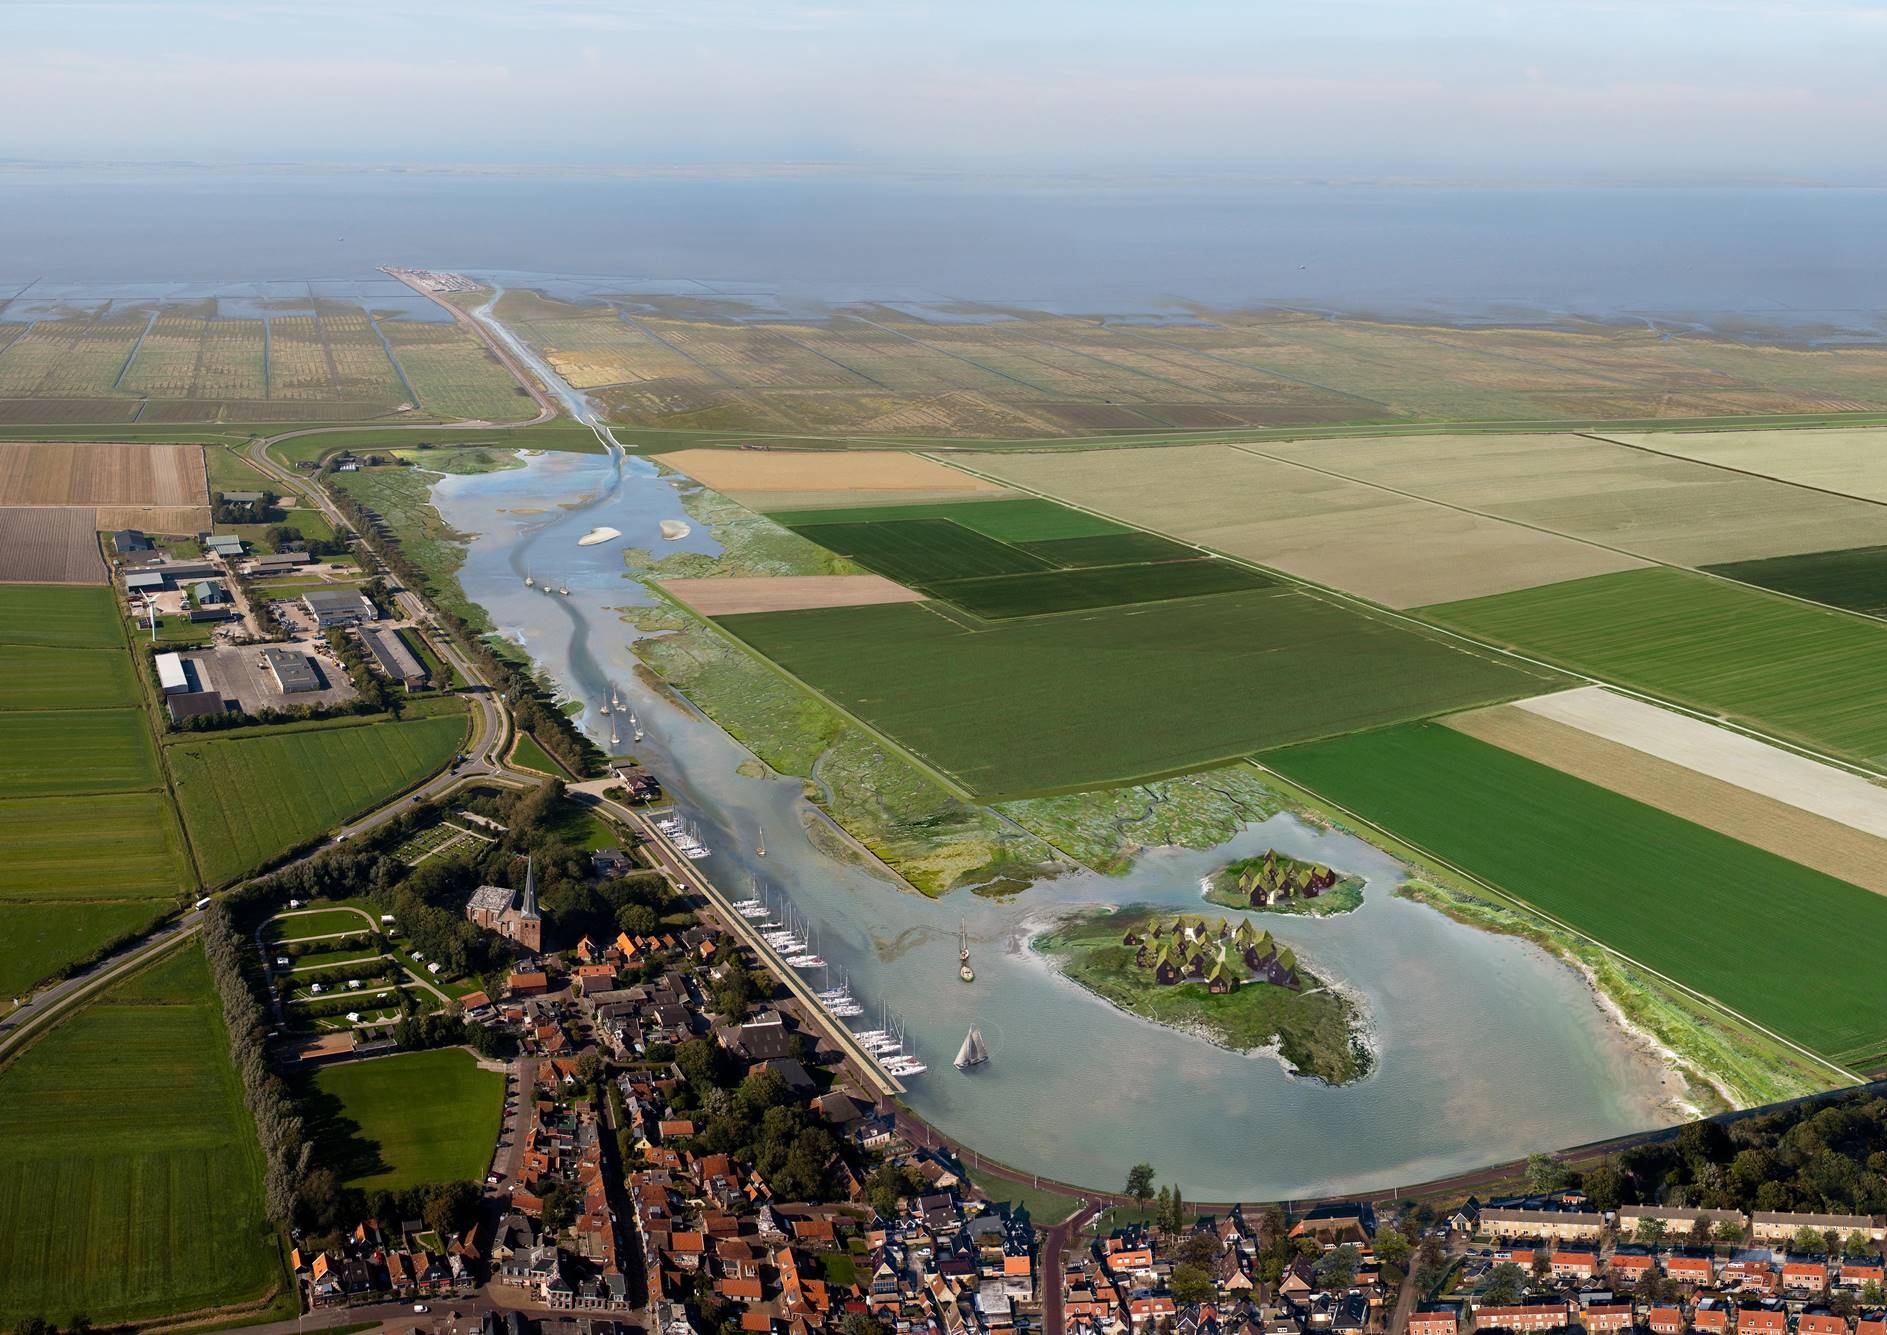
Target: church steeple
{"x": 529, "y": 908}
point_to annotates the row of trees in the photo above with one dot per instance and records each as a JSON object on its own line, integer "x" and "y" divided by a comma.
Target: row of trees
{"x": 532, "y": 708}
{"x": 286, "y": 1150}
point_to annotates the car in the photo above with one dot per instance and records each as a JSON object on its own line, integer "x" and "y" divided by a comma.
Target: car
{"x": 421, "y": 1308}
{"x": 492, "y": 1179}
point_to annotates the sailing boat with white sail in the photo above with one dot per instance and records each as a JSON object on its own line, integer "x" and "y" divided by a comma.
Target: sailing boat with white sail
{"x": 972, "y": 1053}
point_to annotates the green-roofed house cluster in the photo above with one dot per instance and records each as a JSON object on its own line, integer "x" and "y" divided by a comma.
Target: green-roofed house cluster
{"x": 1221, "y": 954}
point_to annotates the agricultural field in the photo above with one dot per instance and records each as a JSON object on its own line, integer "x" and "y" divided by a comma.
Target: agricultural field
{"x": 785, "y": 479}
{"x": 129, "y": 1145}
{"x": 1852, "y": 461}
{"x": 404, "y": 1120}
{"x": 1391, "y": 548}
{"x": 1795, "y": 829}
{"x": 1650, "y": 505}
{"x": 64, "y": 473}
{"x": 1089, "y": 699}
{"x": 1632, "y": 876}
{"x": 93, "y": 847}
{"x": 1804, "y": 674}
{"x": 50, "y": 544}
{"x": 454, "y": 374}
{"x": 1853, "y": 579}
{"x": 784, "y": 593}
{"x": 248, "y": 799}
{"x": 974, "y": 371}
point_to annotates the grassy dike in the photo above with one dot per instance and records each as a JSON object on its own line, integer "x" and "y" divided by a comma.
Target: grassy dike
{"x": 1724, "y": 1063}
{"x": 1317, "y": 1031}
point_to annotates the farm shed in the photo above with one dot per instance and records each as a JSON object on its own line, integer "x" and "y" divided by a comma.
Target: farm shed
{"x": 224, "y": 544}
{"x": 390, "y": 653}
{"x": 194, "y": 704}
{"x": 171, "y": 675}
{"x": 127, "y": 541}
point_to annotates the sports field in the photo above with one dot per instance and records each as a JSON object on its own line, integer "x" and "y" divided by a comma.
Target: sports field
{"x": 1391, "y": 548}
{"x": 418, "y": 1117}
{"x": 1809, "y": 675}
{"x": 1644, "y": 882}
{"x": 1087, "y": 699}
{"x": 246, "y": 800}
{"x": 1854, "y": 578}
{"x": 131, "y": 1186}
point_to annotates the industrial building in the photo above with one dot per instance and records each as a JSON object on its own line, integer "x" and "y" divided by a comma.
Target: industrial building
{"x": 130, "y": 542}
{"x": 292, "y": 670}
{"x": 224, "y": 544}
{"x": 274, "y": 563}
{"x": 337, "y": 607}
{"x": 391, "y": 655}
{"x": 194, "y": 704}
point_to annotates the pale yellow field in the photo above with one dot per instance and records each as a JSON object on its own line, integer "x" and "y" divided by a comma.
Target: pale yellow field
{"x": 85, "y": 474}
{"x": 1753, "y": 818}
{"x": 760, "y": 478}
{"x": 786, "y": 593}
{"x": 1853, "y": 461}
{"x": 169, "y": 519}
{"x": 1395, "y": 550}
{"x": 1666, "y": 509}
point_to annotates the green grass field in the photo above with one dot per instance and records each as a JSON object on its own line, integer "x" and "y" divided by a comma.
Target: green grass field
{"x": 997, "y": 597}
{"x": 1813, "y": 676}
{"x": 47, "y": 752}
{"x": 394, "y": 1122}
{"x": 131, "y": 1185}
{"x": 1854, "y": 578}
{"x": 37, "y": 676}
{"x": 1792, "y": 949}
{"x": 527, "y": 752}
{"x": 918, "y": 551}
{"x": 101, "y": 845}
{"x": 43, "y": 937}
{"x": 1095, "y": 698}
{"x": 61, "y": 615}
{"x": 247, "y": 799}
{"x": 1014, "y": 519}
{"x": 317, "y": 922}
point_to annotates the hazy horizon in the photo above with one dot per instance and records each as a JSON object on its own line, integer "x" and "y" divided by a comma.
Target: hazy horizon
{"x": 1431, "y": 90}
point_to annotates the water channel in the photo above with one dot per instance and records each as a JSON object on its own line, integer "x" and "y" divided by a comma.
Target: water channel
{"x": 1487, "y": 1047}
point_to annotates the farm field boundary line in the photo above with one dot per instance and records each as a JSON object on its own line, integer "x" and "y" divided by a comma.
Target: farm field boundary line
{"x": 671, "y": 438}
{"x": 1500, "y": 651}
{"x": 1508, "y": 897}
{"x": 1732, "y": 468}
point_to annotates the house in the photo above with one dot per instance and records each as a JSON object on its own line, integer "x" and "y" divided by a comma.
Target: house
{"x": 1821, "y": 1322}
{"x": 1554, "y": 1225}
{"x": 511, "y": 914}
{"x": 1750, "y": 1276}
{"x": 1607, "y": 1317}
{"x": 1805, "y": 1277}
{"x": 1337, "y": 1223}
{"x": 1855, "y": 1274}
{"x": 1541, "y": 1314}
{"x": 1710, "y": 1315}
{"x": 337, "y": 607}
{"x": 1574, "y": 1265}
{"x": 1436, "y": 1319}
{"x": 533, "y": 984}
{"x": 1665, "y": 1320}
{"x": 1783, "y": 1227}
{"x": 1688, "y": 1269}
{"x": 1679, "y": 1222}
{"x": 1628, "y": 1268}
{"x": 1761, "y": 1321}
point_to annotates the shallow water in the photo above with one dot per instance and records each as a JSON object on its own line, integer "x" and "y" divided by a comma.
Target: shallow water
{"x": 1488, "y": 1048}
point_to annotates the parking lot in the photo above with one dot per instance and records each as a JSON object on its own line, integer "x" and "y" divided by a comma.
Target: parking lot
{"x": 238, "y": 672}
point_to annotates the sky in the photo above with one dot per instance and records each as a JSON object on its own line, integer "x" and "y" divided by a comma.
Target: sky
{"x": 1640, "y": 90}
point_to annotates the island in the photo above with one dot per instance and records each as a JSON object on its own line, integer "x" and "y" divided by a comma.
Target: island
{"x": 1224, "y": 981}
{"x": 1278, "y": 883}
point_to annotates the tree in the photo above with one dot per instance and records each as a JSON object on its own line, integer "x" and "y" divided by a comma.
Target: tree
{"x": 1545, "y": 1173}
{"x": 1175, "y": 1220}
{"x": 1140, "y": 1183}
{"x": 1806, "y": 1241}
{"x": 1650, "y": 1232}
{"x": 860, "y": 1323}
{"x": 451, "y": 1209}
{"x": 1337, "y": 1269}
{"x": 1729, "y": 1230}
{"x": 1872, "y": 1295}
{"x": 1505, "y": 1284}
{"x": 703, "y": 1064}
{"x": 1605, "y": 1185}
{"x": 1191, "y": 1284}
{"x": 1857, "y": 1245}
{"x": 1394, "y": 1247}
